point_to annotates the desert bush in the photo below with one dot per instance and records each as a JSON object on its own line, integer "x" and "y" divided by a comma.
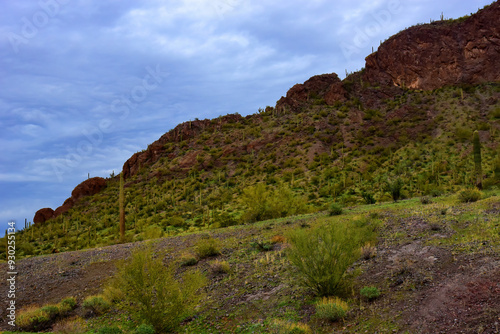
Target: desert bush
{"x": 262, "y": 246}
{"x": 153, "y": 232}
{"x": 175, "y": 221}
{"x": 67, "y": 305}
{"x": 368, "y": 251}
{"x": 286, "y": 327}
{"x": 33, "y": 319}
{"x": 335, "y": 209}
{"x": 368, "y": 198}
{"x": 152, "y": 294}
{"x": 369, "y": 292}
{"x": 425, "y": 200}
{"x": 322, "y": 255}
{"x": 495, "y": 113}
{"x": 394, "y": 188}
{"x": 224, "y": 219}
{"x": 331, "y": 308}
{"x": 95, "y": 306}
{"x": 187, "y": 260}
{"x": 70, "y": 302}
{"x": 264, "y": 203}
{"x": 463, "y": 134}
{"x": 207, "y": 247}
{"x": 278, "y": 239}
{"x": 145, "y": 329}
{"x": 51, "y": 310}
{"x": 74, "y": 325}
{"x": 220, "y": 267}
{"x": 112, "y": 293}
{"x": 469, "y": 195}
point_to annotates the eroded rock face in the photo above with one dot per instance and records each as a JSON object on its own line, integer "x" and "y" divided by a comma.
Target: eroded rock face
{"x": 181, "y": 132}
{"x": 68, "y": 204}
{"x": 326, "y": 86}
{"x": 42, "y": 215}
{"x": 88, "y": 188}
{"x": 442, "y": 53}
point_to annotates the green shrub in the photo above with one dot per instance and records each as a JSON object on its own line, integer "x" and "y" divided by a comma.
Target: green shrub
{"x": 495, "y": 113}
{"x": 153, "y": 232}
{"x": 69, "y": 302}
{"x": 322, "y": 255}
{"x": 463, "y": 134}
{"x": 109, "y": 330}
{"x": 368, "y": 251}
{"x": 51, "y": 310}
{"x": 220, "y": 267}
{"x": 95, "y": 306}
{"x": 207, "y": 247}
{"x": 263, "y": 203}
{"x": 469, "y": 195}
{"x": 224, "y": 219}
{"x": 262, "y": 246}
{"x": 331, "y": 308}
{"x": 67, "y": 305}
{"x": 152, "y": 294}
{"x": 425, "y": 200}
{"x": 145, "y": 329}
{"x": 369, "y": 292}
{"x": 175, "y": 221}
{"x": 368, "y": 198}
{"x": 33, "y": 319}
{"x": 335, "y": 209}
{"x": 394, "y": 188}
{"x": 187, "y": 260}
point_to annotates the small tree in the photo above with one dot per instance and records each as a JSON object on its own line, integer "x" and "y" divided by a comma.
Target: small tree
{"x": 122, "y": 210}
{"x": 477, "y": 160}
{"x": 322, "y": 255}
{"x": 152, "y": 293}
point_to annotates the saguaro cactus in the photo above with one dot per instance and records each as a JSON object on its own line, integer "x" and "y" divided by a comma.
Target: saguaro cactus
{"x": 477, "y": 160}
{"x": 122, "y": 210}
{"x": 497, "y": 165}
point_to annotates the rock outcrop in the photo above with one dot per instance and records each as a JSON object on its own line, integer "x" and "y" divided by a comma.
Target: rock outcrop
{"x": 42, "y": 215}
{"x": 181, "y": 132}
{"x": 442, "y": 53}
{"x": 326, "y": 86}
{"x": 68, "y": 204}
{"x": 87, "y": 188}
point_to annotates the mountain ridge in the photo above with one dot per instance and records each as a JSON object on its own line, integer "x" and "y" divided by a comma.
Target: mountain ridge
{"x": 358, "y": 94}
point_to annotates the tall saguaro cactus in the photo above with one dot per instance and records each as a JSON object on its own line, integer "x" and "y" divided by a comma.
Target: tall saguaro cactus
{"x": 497, "y": 165}
{"x": 122, "y": 210}
{"x": 477, "y": 160}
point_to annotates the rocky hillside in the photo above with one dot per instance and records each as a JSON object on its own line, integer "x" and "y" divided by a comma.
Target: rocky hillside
{"x": 409, "y": 116}
{"x": 448, "y": 52}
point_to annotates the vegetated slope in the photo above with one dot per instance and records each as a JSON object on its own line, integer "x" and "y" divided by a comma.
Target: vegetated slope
{"x": 325, "y": 153}
{"x": 436, "y": 265}
{"x": 327, "y": 140}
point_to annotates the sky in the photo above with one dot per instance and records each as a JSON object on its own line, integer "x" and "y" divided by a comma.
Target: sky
{"x": 85, "y": 84}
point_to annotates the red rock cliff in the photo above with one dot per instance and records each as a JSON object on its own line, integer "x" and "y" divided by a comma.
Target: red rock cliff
{"x": 86, "y": 188}
{"x": 442, "y": 53}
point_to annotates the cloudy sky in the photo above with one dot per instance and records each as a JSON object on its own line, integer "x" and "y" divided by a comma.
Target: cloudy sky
{"x": 84, "y": 84}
